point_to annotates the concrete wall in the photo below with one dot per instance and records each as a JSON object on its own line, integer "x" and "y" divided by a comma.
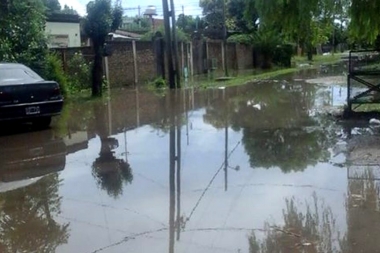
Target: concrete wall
{"x": 63, "y": 34}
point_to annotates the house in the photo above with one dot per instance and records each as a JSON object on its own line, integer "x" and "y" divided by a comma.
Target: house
{"x": 63, "y": 30}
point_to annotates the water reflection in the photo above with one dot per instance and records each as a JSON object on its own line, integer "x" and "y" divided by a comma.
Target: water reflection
{"x": 363, "y": 193}
{"x": 109, "y": 171}
{"x": 27, "y": 221}
{"x": 307, "y": 229}
{"x": 181, "y": 195}
{"x": 278, "y": 127}
{"x": 29, "y": 155}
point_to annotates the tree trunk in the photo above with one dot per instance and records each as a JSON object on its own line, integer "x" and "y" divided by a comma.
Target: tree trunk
{"x": 97, "y": 71}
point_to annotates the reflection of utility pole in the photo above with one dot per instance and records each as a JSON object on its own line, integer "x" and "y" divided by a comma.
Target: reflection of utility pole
{"x": 225, "y": 143}
{"x": 178, "y": 223}
{"x": 172, "y": 158}
{"x": 226, "y": 158}
{"x": 137, "y": 108}
{"x": 174, "y": 179}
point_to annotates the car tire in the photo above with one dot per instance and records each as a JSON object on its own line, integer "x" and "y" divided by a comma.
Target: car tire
{"x": 43, "y": 122}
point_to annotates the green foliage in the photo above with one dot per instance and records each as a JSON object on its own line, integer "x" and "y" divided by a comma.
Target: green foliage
{"x": 266, "y": 39}
{"x": 246, "y": 39}
{"x": 181, "y": 35}
{"x": 188, "y": 24}
{"x": 160, "y": 83}
{"x": 79, "y": 73}
{"x": 69, "y": 10}
{"x": 307, "y": 23}
{"x": 54, "y": 71}
{"x": 239, "y": 19}
{"x": 365, "y": 20}
{"x": 52, "y": 5}
{"x": 22, "y": 33}
{"x": 283, "y": 54}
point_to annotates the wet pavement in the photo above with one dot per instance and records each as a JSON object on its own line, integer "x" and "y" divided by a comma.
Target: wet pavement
{"x": 254, "y": 168}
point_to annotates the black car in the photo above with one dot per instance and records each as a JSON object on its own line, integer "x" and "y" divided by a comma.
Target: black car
{"x": 25, "y": 96}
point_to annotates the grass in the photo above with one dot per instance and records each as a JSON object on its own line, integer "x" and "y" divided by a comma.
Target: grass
{"x": 317, "y": 59}
{"x": 241, "y": 80}
{"x": 268, "y": 74}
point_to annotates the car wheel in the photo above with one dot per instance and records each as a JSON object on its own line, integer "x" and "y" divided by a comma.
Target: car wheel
{"x": 43, "y": 122}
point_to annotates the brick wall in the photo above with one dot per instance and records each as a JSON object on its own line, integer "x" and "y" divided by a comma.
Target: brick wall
{"x": 244, "y": 56}
{"x": 121, "y": 62}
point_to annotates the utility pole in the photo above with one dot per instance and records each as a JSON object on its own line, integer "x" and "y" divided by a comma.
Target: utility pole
{"x": 225, "y": 39}
{"x": 168, "y": 46}
{"x": 175, "y": 47}
{"x": 183, "y": 26}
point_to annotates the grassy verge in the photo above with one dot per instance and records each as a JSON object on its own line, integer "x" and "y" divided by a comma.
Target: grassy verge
{"x": 317, "y": 59}
{"x": 262, "y": 75}
{"x": 241, "y": 80}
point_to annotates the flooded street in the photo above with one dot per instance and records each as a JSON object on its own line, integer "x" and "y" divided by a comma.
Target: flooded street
{"x": 245, "y": 169}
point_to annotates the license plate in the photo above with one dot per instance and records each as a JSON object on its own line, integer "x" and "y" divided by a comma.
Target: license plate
{"x": 32, "y": 110}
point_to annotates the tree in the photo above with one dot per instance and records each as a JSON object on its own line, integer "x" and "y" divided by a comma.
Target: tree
{"x": 365, "y": 20}
{"x": 240, "y": 20}
{"x": 213, "y": 16}
{"x": 186, "y": 23}
{"x": 52, "y": 5}
{"x": 69, "y": 10}
{"x": 102, "y": 18}
{"x": 306, "y": 23}
{"x": 22, "y": 33}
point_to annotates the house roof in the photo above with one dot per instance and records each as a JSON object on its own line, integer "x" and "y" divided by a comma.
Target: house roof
{"x": 128, "y": 34}
{"x": 63, "y": 18}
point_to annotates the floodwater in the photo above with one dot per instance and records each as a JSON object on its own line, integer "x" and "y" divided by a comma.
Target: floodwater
{"x": 254, "y": 168}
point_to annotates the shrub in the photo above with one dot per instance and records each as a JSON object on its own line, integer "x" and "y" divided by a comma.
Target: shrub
{"x": 282, "y": 55}
{"x": 54, "y": 71}
{"x": 79, "y": 73}
{"x": 241, "y": 38}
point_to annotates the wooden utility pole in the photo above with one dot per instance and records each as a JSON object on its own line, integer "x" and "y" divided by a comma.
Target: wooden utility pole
{"x": 168, "y": 46}
{"x": 175, "y": 46}
{"x": 225, "y": 39}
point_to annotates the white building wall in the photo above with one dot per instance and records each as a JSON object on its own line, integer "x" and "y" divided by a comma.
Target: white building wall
{"x": 63, "y": 34}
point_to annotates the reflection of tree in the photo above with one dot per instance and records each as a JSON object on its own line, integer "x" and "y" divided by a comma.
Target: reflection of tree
{"x": 288, "y": 149}
{"x": 27, "y": 218}
{"x": 276, "y": 124}
{"x": 109, "y": 171}
{"x": 310, "y": 231}
{"x": 363, "y": 207}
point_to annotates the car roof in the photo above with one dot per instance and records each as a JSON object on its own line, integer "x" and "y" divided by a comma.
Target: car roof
{"x": 22, "y": 74}
{"x": 4, "y": 65}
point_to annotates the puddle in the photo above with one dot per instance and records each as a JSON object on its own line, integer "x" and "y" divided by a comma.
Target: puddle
{"x": 254, "y": 168}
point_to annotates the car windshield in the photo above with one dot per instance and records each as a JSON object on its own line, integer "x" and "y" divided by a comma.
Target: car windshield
{"x": 14, "y": 75}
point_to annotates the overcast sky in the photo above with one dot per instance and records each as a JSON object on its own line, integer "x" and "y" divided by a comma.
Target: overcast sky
{"x": 191, "y": 7}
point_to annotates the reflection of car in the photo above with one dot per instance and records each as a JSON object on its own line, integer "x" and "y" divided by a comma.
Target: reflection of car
{"x": 25, "y": 96}
{"x": 28, "y": 156}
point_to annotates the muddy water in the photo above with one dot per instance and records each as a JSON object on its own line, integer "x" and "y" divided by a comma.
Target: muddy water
{"x": 255, "y": 168}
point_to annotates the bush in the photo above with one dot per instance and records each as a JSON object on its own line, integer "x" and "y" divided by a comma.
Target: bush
{"x": 54, "y": 71}
{"x": 241, "y": 39}
{"x": 282, "y": 55}
{"x": 79, "y": 73}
